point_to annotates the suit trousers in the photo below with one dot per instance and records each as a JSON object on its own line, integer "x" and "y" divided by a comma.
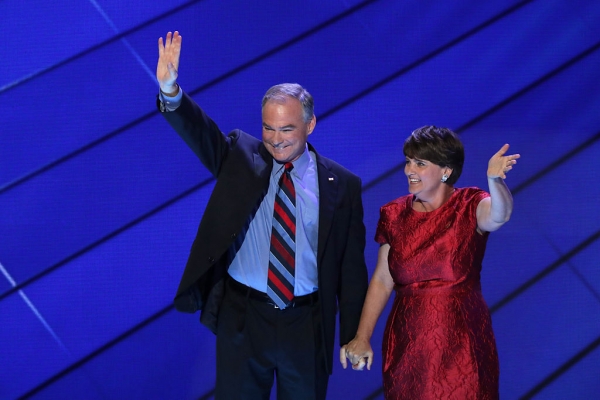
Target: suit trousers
{"x": 258, "y": 344}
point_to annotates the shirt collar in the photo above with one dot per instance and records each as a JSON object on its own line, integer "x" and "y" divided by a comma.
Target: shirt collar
{"x": 300, "y": 165}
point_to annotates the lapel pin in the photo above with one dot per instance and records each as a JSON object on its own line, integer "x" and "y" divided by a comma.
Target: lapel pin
{"x": 330, "y": 178}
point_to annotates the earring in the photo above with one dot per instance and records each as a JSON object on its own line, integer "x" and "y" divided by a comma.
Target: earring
{"x": 444, "y": 178}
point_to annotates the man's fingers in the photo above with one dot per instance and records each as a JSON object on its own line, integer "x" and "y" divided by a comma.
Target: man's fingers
{"x": 343, "y": 357}
{"x": 360, "y": 365}
{"x": 174, "y": 40}
{"x": 161, "y": 47}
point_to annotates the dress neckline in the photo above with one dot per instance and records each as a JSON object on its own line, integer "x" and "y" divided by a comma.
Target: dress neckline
{"x": 412, "y": 199}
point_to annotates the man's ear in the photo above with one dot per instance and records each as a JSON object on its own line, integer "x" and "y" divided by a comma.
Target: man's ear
{"x": 312, "y": 124}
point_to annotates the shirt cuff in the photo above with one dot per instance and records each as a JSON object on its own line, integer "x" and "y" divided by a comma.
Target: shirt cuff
{"x": 170, "y": 103}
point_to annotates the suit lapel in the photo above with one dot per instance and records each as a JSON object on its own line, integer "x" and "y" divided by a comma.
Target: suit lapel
{"x": 262, "y": 172}
{"x": 261, "y": 168}
{"x": 251, "y": 190}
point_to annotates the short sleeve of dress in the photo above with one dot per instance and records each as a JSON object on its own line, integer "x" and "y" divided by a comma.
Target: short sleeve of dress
{"x": 474, "y": 196}
{"x": 479, "y": 194}
{"x": 381, "y": 234}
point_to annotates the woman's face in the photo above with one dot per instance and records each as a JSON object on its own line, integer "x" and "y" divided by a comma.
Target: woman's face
{"x": 424, "y": 177}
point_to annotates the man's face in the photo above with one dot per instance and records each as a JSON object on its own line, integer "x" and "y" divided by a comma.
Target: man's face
{"x": 284, "y": 131}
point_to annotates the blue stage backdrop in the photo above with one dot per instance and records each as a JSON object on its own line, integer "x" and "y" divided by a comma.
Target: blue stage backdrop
{"x": 100, "y": 199}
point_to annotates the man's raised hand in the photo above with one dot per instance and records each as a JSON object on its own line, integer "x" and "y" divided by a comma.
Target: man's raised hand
{"x": 168, "y": 63}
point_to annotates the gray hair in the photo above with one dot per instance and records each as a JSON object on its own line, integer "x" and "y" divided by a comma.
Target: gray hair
{"x": 280, "y": 93}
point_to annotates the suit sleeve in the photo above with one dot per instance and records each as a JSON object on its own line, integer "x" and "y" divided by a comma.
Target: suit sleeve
{"x": 200, "y": 133}
{"x": 354, "y": 276}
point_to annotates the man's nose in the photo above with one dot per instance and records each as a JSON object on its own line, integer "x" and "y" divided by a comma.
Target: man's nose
{"x": 277, "y": 138}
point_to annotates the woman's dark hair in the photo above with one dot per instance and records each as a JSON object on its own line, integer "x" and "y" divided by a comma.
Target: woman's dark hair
{"x": 440, "y": 146}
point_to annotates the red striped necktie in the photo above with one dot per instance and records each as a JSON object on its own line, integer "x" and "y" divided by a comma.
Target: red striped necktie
{"x": 282, "y": 255}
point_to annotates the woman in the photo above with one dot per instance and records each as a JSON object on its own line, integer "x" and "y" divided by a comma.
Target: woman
{"x": 438, "y": 341}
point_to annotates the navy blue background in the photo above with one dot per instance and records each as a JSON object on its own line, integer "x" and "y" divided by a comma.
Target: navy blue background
{"x": 100, "y": 199}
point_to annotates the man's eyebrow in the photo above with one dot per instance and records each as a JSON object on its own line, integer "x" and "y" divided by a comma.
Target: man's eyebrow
{"x": 283, "y": 127}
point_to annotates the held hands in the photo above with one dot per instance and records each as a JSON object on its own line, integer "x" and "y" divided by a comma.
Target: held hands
{"x": 359, "y": 353}
{"x": 499, "y": 164}
{"x": 168, "y": 63}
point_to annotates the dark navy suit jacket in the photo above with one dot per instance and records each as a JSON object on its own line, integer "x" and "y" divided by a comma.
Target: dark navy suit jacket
{"x": 242, "y": 166}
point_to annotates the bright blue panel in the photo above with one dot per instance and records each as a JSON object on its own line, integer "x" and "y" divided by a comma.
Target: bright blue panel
{"x": 549, "y": 121}
{"x": 221, "y": 36}
{"x": 45, "y": 34}
{"x": 38, "y": 35}
{"x": 447, "y": 91}
{"x": 576, "y": 226}
{"x": 116, "y": 173}
{"x": 509, "y": 261}
{"x": 537, "y": 234}
{"x": 544, "y": 229}
{"x": 542, "y": 329}
{"x": 122, "y": 16}
{"x": 6, "y": 282}
{"x": 172, "y": 358}
{"x": 543, "y": 132}
{"x": 579, "y": 382}
{"x": 585, "y": 265}
{"x": 65, "y": 209}
{"x": 116, "y": 82}
{"x": 82, "y": 101}
{"x": 124, "y": 280}
{"x": 385, "y": 38}
{"x": 29, "y": 350}
{"x": 90, "y": 196}
{"x": 110, "y": 289}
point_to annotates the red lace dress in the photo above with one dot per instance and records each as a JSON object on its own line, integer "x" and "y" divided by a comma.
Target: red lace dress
{"x": 438, "y": 341}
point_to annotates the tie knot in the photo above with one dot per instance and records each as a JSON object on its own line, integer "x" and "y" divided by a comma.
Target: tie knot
{"x": 288, "y": 166}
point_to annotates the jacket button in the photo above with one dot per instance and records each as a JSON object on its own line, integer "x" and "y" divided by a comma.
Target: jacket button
{"x": 233, "y": 235}
{"x": 211, "y": 260}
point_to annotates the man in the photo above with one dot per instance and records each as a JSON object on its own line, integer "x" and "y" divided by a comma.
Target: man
{"x": 280, "y": 246}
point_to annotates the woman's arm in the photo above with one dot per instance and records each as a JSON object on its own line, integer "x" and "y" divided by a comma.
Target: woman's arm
{"x": 380, "y": 288}
{"x": 495, "y": 211}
